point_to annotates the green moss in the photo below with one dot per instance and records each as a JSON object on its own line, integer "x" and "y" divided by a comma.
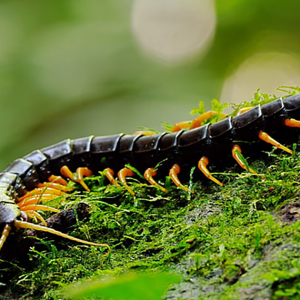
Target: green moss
{"x": 227, "y": 242}
{"x": 229, "y": 238}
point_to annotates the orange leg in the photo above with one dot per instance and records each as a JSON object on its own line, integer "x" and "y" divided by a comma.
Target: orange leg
{"x": 109, "y": 174}
{"x": 57, "y": 179}
{"x": 36, "y": 216}
{"x": 197, "y": 121}
{"x": 56, "y": 182}
{"x": 80, "y": 172}
{"x": 235, "y": 149}
{"x": 38, "y": 192}
{"x": 242, "y": 110}
{"x": 54, "y": 185}
{"x": 36, "y": 199}
{"x": 33, "y": 207}
{"x": 122, "y": 174}
{"x": 173, "y": 173}
{"x": 266, "y": 138}
{"x": 30, "y": 208}
{"x": 44, "y": 192}
{"x": 181, "y": 125}
{"x": 202, "y": 165}
{"x": 292, "y": 123}
{"x": 148, "y": 174}
{"x": 143, "y": 132}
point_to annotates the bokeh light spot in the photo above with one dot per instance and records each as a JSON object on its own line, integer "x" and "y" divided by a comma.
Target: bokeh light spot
{"x": 173, "y": 30}
{"x": 265, "y": 71}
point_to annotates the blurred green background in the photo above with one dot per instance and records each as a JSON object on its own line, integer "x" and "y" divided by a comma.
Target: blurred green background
{"x": 75, "y": 68}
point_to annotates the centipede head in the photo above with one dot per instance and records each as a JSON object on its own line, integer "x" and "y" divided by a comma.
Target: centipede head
{"x": 12, "y": 217}
{"x": 9, "y": 212}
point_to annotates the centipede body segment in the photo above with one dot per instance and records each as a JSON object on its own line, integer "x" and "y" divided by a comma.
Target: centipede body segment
{"x": 174, "y": 152}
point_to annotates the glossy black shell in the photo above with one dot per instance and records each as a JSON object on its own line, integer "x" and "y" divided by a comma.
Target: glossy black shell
{"x": 183, "y": 147}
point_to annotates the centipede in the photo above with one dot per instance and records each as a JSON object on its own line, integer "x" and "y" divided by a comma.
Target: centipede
{"x": 28, "y": 183}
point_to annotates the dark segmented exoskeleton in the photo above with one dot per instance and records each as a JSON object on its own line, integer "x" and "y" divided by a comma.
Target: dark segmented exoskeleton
{"x": 182, "y": 149}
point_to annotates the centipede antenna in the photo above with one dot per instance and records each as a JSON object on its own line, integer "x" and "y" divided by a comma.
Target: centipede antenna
{"x": 173, "y": 173}
{"x": 26, "y": 225}
{"x": 148, "y": 174}
{"x": 122, "y": 174}
{"x": 266, "y": 138}
{"x": 235, "y": 150}
{"x": 202, "y": 165}
{"x": 292, "y": 123}
{"x": 4, "y": 235}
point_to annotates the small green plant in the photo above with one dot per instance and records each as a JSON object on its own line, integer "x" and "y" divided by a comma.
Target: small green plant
{"x": 130, "y": 286}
